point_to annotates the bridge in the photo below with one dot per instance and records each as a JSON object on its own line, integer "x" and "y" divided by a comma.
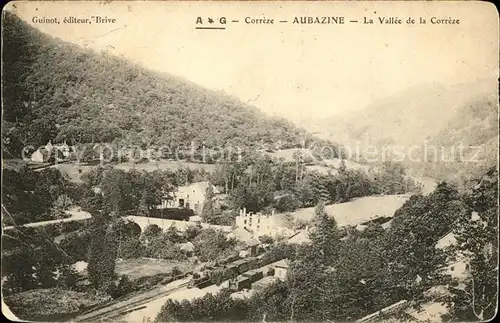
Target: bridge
{"x": 164, "y": 224}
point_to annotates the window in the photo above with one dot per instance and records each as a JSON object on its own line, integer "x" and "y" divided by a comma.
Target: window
{"x": 181, "y": 202}
{"x": 258, "y": 226}
{"x": 245, "y": 222}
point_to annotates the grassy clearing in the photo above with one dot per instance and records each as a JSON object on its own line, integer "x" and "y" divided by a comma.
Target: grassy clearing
{"x": 359, "y": 210}
{"x": 143, "y": 267}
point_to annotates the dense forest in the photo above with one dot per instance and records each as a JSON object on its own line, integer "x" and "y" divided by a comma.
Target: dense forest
{"x": 57, "y": 91}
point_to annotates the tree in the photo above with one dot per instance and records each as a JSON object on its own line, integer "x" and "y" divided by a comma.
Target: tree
{"x": 102, "y": 253}
{"x": 62, "y": 204}
{"x": 477, "y": 241}
{"x": 162, "y": 247}
{"x": 212, "y": 244}
{"x": 342, "y": 166}
{"x": 151, "y": 232}
{"x": 130, "y": 247}
{"x": 173, "y": 234}
{"x": 67, "y": 276}
{"x": 288, "y": 202}
{"x": 210, "y": 307}
{"x": 208, "y": 211}
{"x": 325, "y": 236}
{"x": 192, "y": 231}
{"x": 76, "y": 245}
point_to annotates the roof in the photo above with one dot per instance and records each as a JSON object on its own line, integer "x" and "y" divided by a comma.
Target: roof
{"x": 242, "y": 234}
{"x": 283, "y": 263}
{"x": 253, "y": 242}
{"x": 300, "y": 237}
{"x": 387, "y": 225}
{"x": 446, "y": 241}
{"x": 195, "y": 218}
{"x": 45, "y": 153}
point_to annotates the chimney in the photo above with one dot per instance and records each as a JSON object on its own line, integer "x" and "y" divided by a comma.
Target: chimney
{"x": 245, "y": 211}
{"x": 272, "y": 212}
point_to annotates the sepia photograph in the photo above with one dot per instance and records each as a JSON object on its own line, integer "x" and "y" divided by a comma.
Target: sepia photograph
{"x": 250, "y": 161}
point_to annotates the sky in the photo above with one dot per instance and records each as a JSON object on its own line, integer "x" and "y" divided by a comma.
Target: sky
{"x": 295, "y": 71}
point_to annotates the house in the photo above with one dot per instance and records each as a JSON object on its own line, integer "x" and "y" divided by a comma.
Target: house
{"x": 49, "y": 146}
{"x": 249, "y": 240}
{"x": 191, "y": 196}
{"x": 64, "y": 149}
{"x": 252, "y": 246}
{"x": 41, "y": 155}
{"x": 281, "y": 269}
{"x": 241, "y": 234}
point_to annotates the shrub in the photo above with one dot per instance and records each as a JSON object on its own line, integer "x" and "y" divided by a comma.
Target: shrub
{"x": 51, "y": 304}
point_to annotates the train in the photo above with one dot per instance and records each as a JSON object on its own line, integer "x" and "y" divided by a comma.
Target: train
{"x": 235, "y": 264}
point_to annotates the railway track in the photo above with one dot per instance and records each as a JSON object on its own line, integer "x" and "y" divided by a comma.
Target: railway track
{"x": 116, "y": 310}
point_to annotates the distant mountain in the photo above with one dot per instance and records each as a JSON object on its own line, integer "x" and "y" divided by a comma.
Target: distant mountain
{"x": 59, "y": 91}
{"x": 426, "y": 115}
{"x": 406, "y": 118}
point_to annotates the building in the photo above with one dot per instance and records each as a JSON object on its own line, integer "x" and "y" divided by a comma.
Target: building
{"x": 241, "y": 234}
{"x": 281, "y": 269}
{"x": 191, "y": 196}
{"x": 262, "y": 224}
{"x": 41, "y": 155}
{"x": 252, "y": 247}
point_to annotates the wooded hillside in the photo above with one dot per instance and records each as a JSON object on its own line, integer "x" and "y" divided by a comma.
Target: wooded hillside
{"x": 59, "y": 91}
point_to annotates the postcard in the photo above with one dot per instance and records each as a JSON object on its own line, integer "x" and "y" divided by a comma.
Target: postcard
{"x": 250, "y": 161}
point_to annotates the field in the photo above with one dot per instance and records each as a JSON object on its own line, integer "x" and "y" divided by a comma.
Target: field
{"x": 329, "y": 164}
{"x": 357, "y": 211}
{"x": 142, "y": 267}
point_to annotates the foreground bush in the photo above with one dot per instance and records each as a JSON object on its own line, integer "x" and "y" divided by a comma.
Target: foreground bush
{"x": 51, "y": 304}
